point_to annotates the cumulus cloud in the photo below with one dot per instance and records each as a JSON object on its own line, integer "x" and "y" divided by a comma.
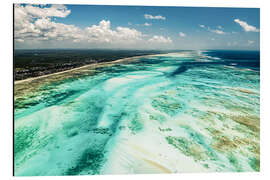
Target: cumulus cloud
{"x": 202, "y": 26}
{"x": 55, "y": 10}
{"x": 250, "y": 42}
{"x": 149, "y": 16}
{"x": 147, "y": 24}
{"x": 160, "y": 39}
{"x": 217, "y": 31}
{"x": 36, "y": 24}
{"x": 19, "y": 40}
{"x": 32, "y": 21}
{"x": 103, "y": 33}
{"x": 182, "y": 34}
{"x": 246, "y": 26}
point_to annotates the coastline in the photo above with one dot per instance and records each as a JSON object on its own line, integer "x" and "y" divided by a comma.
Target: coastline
{"x": 106, "y": 107}
{"x": 85, "y": 66}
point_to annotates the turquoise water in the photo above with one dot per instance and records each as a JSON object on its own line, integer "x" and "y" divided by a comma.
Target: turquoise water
{"x": 190, "y": 111}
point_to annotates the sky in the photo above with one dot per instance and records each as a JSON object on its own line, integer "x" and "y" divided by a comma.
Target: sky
{"x": 135, "y": 27}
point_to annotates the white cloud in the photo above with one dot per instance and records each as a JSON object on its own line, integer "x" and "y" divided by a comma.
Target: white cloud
{"x": 160, "y": 39}
{"x": 19, "y": 40}
{"x": 147, "y": 24}
{"x": 128, "y": 35}
{"x": 202, "y": 26}
{"x": 182, "y": 34}
{"x": 34, "y": 24}
{"x": 31, "y": 21}
{"x": 149, "y": 16}
{"x": 103, "y": 33}
{"x": 250, "y": 42}
{"x": 246, "y": 26}
{"x": 217, "y": 31}
{"x": 55, "y": 10}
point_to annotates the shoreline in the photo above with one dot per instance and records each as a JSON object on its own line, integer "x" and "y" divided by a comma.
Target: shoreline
{"x": 85, "y": 66}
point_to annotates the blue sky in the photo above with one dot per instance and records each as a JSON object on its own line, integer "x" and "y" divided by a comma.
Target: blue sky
{"x": 146, "y": 27}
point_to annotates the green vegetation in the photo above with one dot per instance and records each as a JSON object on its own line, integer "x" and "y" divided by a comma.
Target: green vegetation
{"x": 33, "y": 63}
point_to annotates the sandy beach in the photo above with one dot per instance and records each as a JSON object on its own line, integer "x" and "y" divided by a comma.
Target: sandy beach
{"x": 85, "y": 66}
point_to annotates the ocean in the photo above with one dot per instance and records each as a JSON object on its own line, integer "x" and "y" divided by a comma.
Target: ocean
{"x": 188, "y": 111}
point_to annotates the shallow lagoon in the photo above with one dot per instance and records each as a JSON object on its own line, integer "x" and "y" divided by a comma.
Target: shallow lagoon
{"x": 190, "y": 111}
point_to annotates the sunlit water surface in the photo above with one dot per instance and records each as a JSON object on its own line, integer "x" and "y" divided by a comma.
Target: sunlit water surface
{"x": 190, "y": 111}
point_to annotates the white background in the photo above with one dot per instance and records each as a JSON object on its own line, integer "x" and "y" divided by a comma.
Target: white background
{"x": 6, "y": 83}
